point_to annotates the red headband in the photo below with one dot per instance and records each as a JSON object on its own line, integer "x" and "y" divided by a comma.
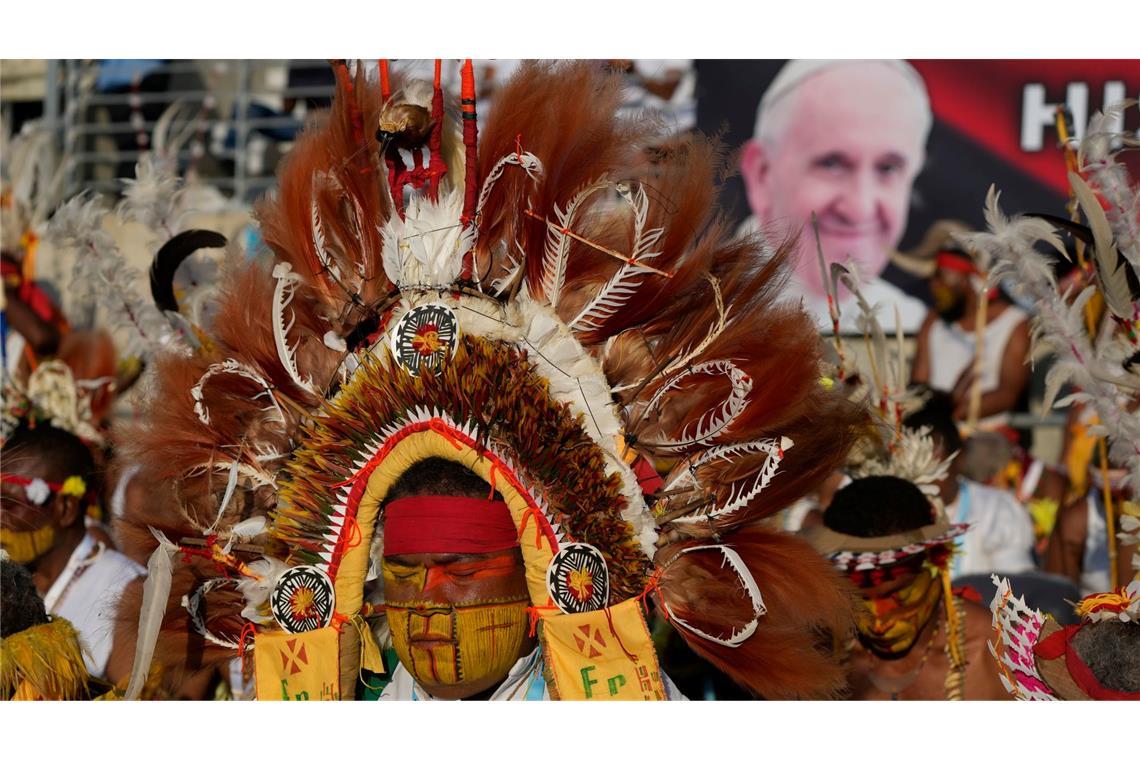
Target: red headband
{"x": 955, "y": 262}
{"x": 448, "y": 525}
{"x": 31, "y": 485}
{"x": 1061, "y": 643}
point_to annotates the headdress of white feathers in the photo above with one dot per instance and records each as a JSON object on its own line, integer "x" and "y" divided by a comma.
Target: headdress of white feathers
{"x": 103, "y": 280}
{"x": 1094, "y": 366}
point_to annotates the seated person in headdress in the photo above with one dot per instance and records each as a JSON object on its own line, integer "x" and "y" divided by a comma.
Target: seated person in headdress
{"x": 47, "y": 480}
{"x": 915, "y": 640}
{"x": 945, "y": 353}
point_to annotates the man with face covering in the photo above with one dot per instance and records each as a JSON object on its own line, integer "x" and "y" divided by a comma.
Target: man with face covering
{"x": 455, "y": 591}
{"x": 843, "y": 140}
{"x": 947, "y": 342}
{"x": 914, "y": 639}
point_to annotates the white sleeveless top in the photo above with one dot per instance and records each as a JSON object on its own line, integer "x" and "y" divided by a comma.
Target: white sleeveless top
{"x": 952, "y": 351}
{"x": 86, "y": 594}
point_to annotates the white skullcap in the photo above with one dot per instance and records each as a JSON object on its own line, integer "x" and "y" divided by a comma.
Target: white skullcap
{"x": 796, "y": 72}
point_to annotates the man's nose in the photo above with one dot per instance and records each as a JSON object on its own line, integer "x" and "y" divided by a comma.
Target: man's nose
{"x": 860, "y": 199}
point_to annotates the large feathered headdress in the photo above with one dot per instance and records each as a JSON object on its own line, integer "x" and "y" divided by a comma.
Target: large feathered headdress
{"x": 549, "y": 309}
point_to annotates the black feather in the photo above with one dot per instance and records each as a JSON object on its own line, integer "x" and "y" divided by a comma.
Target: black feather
{"x": 170, "y": 256}
{"x": 1076, "y": 229}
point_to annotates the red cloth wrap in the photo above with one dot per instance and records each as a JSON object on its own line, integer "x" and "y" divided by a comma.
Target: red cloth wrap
{"x": 1060, "y": 644}
{"x": 947, "y": 260}
{"x": 448, "y": 525}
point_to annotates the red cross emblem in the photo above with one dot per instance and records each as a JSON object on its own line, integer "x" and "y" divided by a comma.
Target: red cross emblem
{"x": 585, "y": 638}
{"x": 295, "y": 655}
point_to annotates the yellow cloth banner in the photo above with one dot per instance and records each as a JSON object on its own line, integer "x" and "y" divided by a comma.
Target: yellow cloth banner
{"x": 297, "y": 666}
{"x": 603, "y": 655}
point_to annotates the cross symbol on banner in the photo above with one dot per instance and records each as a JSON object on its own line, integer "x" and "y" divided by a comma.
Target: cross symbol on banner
{"x": 585, "y": 638}
{"x": 295, "y": 655}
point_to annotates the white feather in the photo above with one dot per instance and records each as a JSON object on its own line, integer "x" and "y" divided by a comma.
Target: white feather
{"x": 618, "y": 290}
{"x": 156, "y": 593}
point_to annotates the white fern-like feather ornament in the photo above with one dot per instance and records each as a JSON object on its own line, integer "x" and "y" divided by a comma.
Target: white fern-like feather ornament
{"x": 103, "y": 277}
{"x": 320, "y": 243}
{"x": 713, "y": 422}
{"x": 231, "y": 367}
{"x": 624, "y": 283}
{"x": 558, "y": 241}
{"x": 283, "y": 292}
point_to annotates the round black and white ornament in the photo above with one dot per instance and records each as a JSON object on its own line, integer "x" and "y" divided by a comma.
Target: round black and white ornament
{"x": 578, "y": 579}
{"x": 303, "y": 599}
{"x": 425, "y": 337}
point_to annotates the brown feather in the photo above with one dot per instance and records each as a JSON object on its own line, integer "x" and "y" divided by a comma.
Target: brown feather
{"x": 787, "y": 657}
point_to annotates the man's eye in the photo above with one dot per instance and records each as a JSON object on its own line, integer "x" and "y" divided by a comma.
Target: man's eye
{"x": 832, "y": 162}
{"x": 889, "y": 168}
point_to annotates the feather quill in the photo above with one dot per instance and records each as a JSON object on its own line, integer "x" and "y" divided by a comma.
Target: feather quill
{"x": 156, "y": 594}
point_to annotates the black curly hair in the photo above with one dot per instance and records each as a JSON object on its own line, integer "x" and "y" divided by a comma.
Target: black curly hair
{"x": 880, "y": 505}
{"x": 20, "y": 603}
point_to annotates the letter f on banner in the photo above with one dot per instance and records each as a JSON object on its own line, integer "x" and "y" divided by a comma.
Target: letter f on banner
{"x": 587, "y": 682}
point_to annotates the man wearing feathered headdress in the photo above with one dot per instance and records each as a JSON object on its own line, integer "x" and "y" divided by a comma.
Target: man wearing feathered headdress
{"x": 434, "y": 419}
{"x": 47, "y": 482}
{"x": 915, "y": 638}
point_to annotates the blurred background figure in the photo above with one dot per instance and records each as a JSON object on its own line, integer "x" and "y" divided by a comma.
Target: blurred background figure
{"x": 1001, "y": 538}
{"x": 48, "y": 480}
{"x": 843, "y": 140}
{"x": 948, "y": 342}
{"x": 41, "y": 655}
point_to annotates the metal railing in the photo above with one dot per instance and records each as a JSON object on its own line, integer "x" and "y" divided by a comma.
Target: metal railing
{"x": 241, "y": 127}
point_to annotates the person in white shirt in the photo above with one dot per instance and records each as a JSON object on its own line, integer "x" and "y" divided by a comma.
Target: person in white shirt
{"x": 843, "y": 140}
{"x": 47, "y": 479}
{"x": 1000, "y": 539}
{"x": 947, "y": 343}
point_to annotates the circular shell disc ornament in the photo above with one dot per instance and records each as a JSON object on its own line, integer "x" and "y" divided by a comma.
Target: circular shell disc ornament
{"x": 303, "y": 599}
{"x": 578, "y": 580}
{"x": 424, "y": 337}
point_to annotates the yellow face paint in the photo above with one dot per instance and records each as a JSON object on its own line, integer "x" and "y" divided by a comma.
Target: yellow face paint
{"x": 454, "y": 645}
{"x": 26, "y": 546}
{"x": 889, "y": 625}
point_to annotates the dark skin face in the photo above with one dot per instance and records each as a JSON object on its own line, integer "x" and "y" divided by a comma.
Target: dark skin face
{"x": 893, "y": 612}
{"x": 1014, "y": 371}
{"x": 64, "y": 513}
{"x": 456, "y": 579}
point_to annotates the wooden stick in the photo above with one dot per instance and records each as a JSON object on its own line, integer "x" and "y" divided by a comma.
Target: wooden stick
{"x": 596, "y": 246}
{"x": 979, "y": 351}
